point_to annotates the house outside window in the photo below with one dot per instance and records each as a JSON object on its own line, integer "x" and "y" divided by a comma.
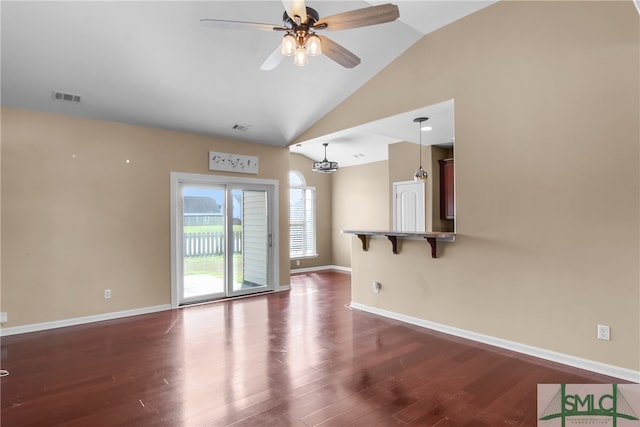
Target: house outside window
{"x": 302, "y": 224}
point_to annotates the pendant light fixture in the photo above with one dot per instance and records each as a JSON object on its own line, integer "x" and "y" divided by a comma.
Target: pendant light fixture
{"x": 421, "y": 174}
{"x": 325, "y": 166}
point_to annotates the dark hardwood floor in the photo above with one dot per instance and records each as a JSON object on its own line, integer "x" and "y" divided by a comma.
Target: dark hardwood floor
{"x": 298, "y": 358}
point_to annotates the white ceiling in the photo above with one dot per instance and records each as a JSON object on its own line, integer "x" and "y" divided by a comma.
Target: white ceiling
{"x": 151, "y": 63}
{"x": 368, "y": 143}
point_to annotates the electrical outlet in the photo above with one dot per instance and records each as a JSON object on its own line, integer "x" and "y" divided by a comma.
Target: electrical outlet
{"x": 107, "y": 293}
{"x": 603, "y": 332}
{"x": 297, "y": 262}
{"x": 376, "y": 287}
{"x": 4, "y": 316}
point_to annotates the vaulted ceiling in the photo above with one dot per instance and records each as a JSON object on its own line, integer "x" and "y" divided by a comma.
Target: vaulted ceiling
{"x": 152, "y": 63}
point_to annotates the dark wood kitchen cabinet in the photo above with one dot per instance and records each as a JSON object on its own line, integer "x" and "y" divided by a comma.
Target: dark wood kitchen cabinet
{"x": 447, "y": 200}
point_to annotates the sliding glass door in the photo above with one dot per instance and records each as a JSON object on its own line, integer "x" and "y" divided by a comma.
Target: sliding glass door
{"x": 203, "y": 243}
{"x": 223, "y": 238}
{"x": 250, "y": 264}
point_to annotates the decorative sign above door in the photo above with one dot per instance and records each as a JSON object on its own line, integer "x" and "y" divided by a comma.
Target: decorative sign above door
{"x": 229, "y": 162}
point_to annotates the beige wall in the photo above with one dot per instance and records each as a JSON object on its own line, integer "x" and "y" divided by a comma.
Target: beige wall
{"x": 547, "y": 178}
{"x": 359, "y": 201}
{"x": 322, "y": 184}
{"x": 77, "y": 219}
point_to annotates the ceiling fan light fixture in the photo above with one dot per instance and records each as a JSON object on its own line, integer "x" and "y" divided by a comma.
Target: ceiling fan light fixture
{"x": 300, "y": 57}
{"x": 300, "y": 22}
{"x": 288, "y": 45}
{"x": 313, "y": 45}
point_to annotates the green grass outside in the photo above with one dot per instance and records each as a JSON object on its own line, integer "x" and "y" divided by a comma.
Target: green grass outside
{"x": 213, "y": 265}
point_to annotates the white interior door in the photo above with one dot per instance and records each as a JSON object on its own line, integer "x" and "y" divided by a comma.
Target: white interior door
{"x": 409, "y": 206}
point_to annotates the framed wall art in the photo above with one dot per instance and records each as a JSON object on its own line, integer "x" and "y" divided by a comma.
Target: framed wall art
{"x": 229, "y": 162}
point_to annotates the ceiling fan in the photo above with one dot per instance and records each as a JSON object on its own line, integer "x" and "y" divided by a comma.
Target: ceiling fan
{"x": 300, "y": 23}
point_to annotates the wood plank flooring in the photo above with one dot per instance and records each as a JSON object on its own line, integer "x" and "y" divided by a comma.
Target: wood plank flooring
{"x": 298, "y": 358}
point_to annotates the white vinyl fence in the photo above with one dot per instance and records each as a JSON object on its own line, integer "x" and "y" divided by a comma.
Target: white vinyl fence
{"x": 209, "y": 243}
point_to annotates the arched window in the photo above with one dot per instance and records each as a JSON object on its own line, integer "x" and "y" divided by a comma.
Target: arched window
{"x": 302, "y": 224}
{"x": 296, "y": 179}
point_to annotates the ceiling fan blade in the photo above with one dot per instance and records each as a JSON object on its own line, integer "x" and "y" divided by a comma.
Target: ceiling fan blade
{"x": 240, "y": 25}
{"x": 338, "y": 53}
{"x": 360, "y": 17}
{"x": 272, "y": 60}
{"x": 296, "y": 7}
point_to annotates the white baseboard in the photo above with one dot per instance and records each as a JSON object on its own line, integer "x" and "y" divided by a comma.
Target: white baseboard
{"x": 321, "y": 268}
{"x": 565, "y": 359}
{"x": 34, "y": 327}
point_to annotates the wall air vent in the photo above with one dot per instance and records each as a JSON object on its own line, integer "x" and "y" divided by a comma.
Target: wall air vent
{"x": 240, "y": 127}
{"x": 69, "y": 97}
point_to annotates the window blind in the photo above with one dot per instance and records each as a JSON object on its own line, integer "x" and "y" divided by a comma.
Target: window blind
{"x": 302, "y": 222}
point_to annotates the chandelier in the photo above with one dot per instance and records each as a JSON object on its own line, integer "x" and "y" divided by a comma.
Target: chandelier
{"x": 325, "y": 166}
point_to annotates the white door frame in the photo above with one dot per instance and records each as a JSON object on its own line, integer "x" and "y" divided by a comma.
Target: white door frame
{"x": 180, "y": 178}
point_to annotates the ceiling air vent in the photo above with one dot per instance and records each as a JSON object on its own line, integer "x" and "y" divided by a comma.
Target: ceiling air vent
{"x": 240, "y": 127}
{"x": 69, "y": 97}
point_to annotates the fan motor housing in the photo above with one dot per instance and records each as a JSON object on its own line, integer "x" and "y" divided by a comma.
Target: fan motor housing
{"x": 312, "y": 18}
